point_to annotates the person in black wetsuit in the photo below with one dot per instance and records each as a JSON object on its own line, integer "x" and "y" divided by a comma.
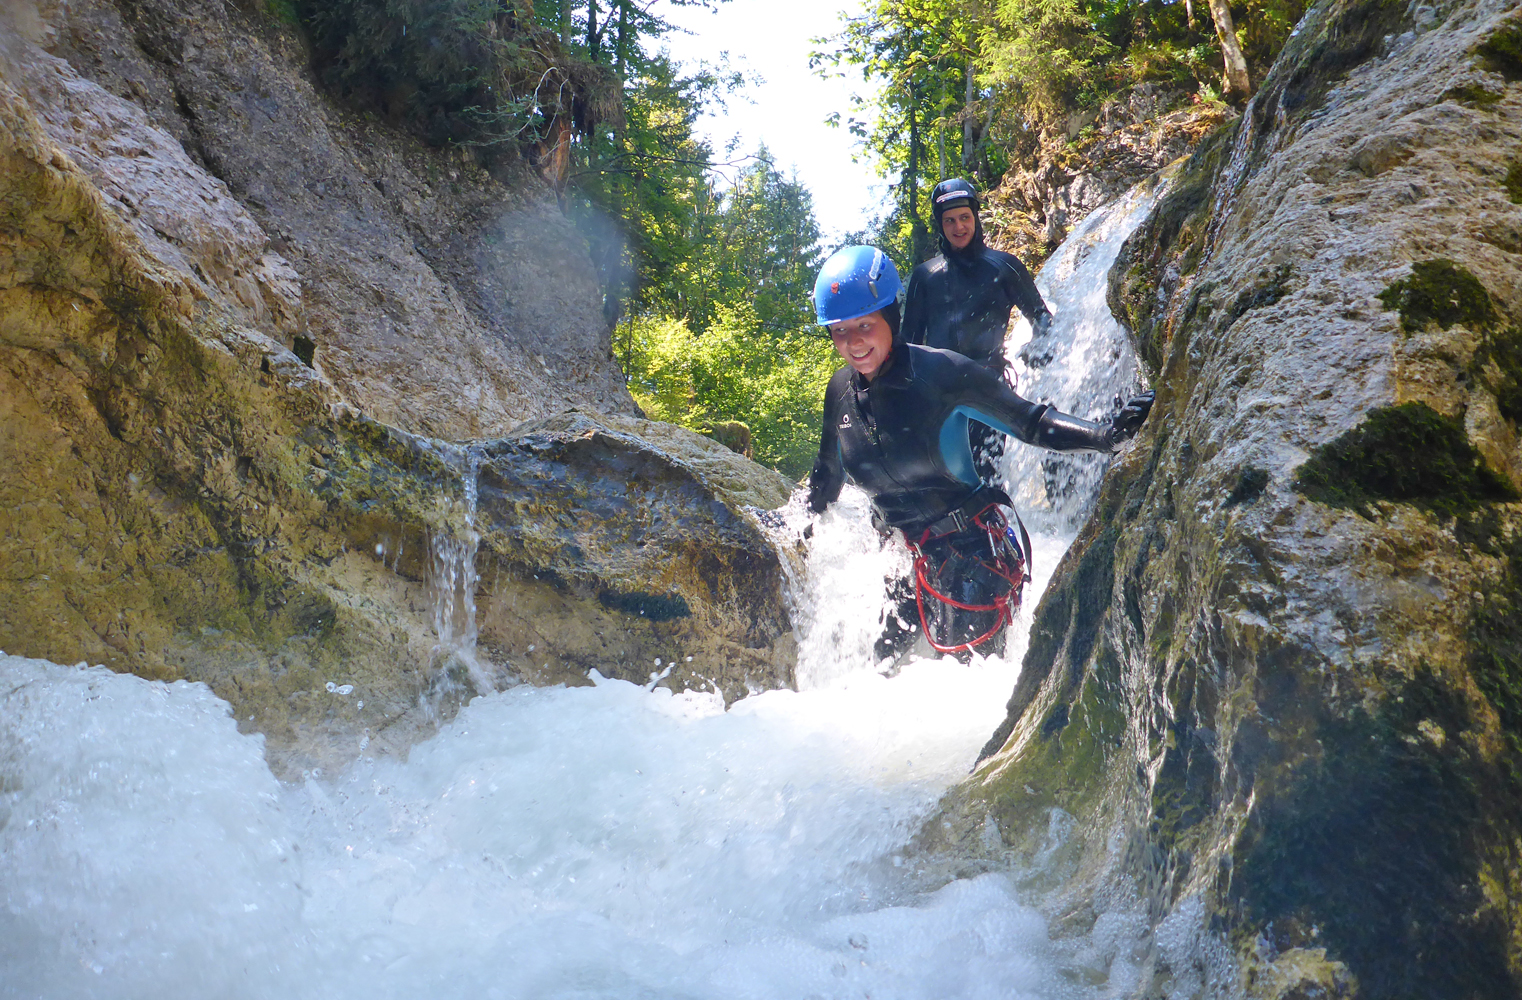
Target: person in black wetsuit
{"x": 961, "y": 299}
{"x": 895, "y": 423}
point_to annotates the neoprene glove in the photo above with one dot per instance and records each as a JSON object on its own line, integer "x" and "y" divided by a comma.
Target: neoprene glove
{"x": 1125, "y": 424}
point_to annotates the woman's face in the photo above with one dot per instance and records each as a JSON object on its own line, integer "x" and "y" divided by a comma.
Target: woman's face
{"x": 864, "y": 342}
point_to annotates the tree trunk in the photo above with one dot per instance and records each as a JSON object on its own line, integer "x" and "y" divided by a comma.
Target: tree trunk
{"x": 969, "y": 92}
{"x": 592, "y": 39}
{"x": 565, "y": 23}
{"x": 919, "y": 237}
{"x": 1235, "y": 81}
{"x": 623, "y": 39}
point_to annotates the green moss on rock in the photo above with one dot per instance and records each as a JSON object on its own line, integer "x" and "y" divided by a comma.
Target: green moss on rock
{"x": 1250, "y": 486}
{"x": 1504, "y": 349}
{"x": 1472, "y": 95}
{"x": 1512, "y": 182}
{"x": 1374, "y": 848}
{"x": 1439, "y": 292}
{"x": 1502, "y": 51}
{"x": 1409, "y": 454}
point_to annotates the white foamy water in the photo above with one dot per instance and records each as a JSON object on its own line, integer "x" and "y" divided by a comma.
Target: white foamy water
{"x": 602, "y": 842}
{"x": 1091, "y": 360}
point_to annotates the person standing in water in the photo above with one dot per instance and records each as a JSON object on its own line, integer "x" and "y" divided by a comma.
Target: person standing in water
{"x": 895, "y": 424}
{"x": 961, "y": 299}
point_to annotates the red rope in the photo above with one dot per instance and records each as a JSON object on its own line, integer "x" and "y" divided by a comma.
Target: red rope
{"x": 1005, "y": 605}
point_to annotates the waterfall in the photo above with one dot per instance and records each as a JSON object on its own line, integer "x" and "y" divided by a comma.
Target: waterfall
{"x": 455, "y": 672}
{"x": 1081, "y": 365}
{"x": 595, "y": 842}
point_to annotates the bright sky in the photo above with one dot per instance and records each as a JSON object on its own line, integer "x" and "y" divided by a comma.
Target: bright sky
{"x": 772, "y": 39}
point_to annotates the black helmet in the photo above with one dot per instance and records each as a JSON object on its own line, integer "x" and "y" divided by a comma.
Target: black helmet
{"x": 955, "y": 193}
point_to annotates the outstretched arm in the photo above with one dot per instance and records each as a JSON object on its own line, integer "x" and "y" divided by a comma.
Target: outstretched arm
{"x": 984, "y": 396}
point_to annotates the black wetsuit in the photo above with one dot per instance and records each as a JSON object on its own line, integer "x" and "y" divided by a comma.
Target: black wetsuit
{"x": 903, "y": 436}
{"x": 903, "y": 439}
{"x": 961, "y": 300}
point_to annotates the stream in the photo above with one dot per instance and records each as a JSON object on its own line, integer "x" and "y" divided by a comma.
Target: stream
{"x": 612, "y": 841}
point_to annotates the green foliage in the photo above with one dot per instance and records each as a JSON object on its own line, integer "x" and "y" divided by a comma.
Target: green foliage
{"x": 453, "y": 70}
{"x": 283, "y": 11}
{"x": 734, "y": 371}
{"x": 969, "y": 87}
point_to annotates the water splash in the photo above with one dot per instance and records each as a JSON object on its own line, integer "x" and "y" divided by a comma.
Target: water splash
{"x": 837, "y": 591}
{"x": 604, "y": 842}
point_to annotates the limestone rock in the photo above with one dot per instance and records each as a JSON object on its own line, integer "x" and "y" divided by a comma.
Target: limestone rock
{"x": 440, "y": 299}
{"x": 182, "y": 497}
{"x": 1275, "y": 683}
{"x": 1100, "y": 156}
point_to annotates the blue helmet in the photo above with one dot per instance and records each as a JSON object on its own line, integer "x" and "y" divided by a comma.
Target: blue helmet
{"x": 855, "y": 281}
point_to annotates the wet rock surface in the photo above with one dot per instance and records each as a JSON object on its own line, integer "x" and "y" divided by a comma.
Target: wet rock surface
{"x": 1272, "y": 690}
{"x": 434, "y": 296}
{"x": 183, "y": 496}
{"x": 1035, "y": 207}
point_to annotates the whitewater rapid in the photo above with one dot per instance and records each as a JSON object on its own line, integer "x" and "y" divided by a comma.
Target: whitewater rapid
{"x": 612, "y": 841}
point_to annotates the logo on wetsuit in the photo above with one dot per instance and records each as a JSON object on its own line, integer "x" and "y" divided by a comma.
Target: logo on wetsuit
{"x": 845, "y": 420}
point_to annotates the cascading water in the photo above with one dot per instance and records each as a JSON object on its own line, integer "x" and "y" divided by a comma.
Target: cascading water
{"x": 610, "y": 841}
{"x": 1081, "y": 365}
{"x": 455, "y": 671}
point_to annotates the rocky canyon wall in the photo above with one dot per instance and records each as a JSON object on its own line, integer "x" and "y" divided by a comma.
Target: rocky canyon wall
{"x": 231, "y": 315}
{"x": 1272, "y": 706}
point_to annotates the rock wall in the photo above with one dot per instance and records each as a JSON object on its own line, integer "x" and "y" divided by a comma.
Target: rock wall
{"x": 182, "y": 496}
{"x": 439, "y": 299}
{"x": 1272, "y": 706}
{"x": 1097, "y": 159}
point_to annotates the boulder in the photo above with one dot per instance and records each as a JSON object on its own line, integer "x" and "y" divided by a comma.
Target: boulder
{"x": 1271, "y": 700}
{"x": 183, "y": 497}
{"x": 437, "y": 296}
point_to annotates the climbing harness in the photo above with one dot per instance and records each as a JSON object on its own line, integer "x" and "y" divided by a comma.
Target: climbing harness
{"x": 1008, "y": 560}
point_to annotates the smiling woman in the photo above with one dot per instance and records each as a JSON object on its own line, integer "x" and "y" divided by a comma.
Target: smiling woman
{"x": 865, "y": 342}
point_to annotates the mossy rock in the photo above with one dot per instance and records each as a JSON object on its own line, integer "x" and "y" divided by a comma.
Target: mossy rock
{"x": 1503, "y": 349}
{"x": 1376, "y": 848}
{"x": 1473, "y": 95}
{"x": 1406, "y": 454}
{"x": 1502, "y": 51}
{"x": 1512, "y": 182}
{"x": 1439, "y": 293}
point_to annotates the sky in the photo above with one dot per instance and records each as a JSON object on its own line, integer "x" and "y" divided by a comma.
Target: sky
{"x": 772, "y": 39}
